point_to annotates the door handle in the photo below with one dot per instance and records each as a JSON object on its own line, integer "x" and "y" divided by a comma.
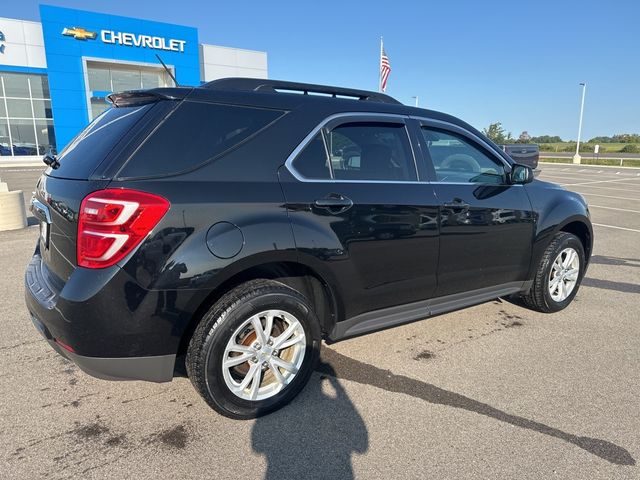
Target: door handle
{"x": 334, "y": 202}
{"x": 457, "y": 203}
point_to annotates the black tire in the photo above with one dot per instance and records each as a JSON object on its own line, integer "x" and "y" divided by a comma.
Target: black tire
{"x": 539, "y": 297}
{"x": 207, "y": 346}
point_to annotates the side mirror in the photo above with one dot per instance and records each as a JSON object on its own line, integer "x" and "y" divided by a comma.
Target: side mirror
{"x": 521, "y": 174}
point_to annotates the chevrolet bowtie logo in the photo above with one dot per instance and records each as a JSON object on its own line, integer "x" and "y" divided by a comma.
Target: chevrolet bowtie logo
{"x": 79, "y": 33}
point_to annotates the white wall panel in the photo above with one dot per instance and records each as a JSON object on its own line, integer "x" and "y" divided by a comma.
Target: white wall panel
{"x": 24, "y": 44}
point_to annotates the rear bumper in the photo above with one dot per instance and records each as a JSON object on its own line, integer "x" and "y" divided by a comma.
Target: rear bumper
{"x": 152, "y": 369}
{"x": 93, "y": 321}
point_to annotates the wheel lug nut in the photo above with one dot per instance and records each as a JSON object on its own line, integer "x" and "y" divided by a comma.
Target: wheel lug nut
{"x": 254, "y": 359}
{"x": 257, "y": 346}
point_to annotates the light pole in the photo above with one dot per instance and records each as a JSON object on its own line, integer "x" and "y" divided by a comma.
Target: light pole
{"x": 416, "y": 99}
{"x": 576, "y": 157}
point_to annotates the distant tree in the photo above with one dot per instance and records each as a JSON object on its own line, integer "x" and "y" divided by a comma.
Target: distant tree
{"x": 546, "y": 139}
{"x": 631, "y": 148}
{"x": 497, "y": 133}
{"x": 618, "y": 138}
{"x": 524, "y": 137}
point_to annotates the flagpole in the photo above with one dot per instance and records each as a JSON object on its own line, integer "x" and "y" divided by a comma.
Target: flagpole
{"x": 380, "y": 67}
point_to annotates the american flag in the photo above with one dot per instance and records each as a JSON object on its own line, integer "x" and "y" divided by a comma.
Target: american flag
{"x": 385, "y": 70}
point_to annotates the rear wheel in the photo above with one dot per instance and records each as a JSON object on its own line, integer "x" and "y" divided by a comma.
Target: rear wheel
{"x": 254, "y": 350}
{"x": 559, "y": 274}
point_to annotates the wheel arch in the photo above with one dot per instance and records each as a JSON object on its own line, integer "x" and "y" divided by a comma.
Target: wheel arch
{"x": 293, "y": 273}
{"x": 580, "y": 227}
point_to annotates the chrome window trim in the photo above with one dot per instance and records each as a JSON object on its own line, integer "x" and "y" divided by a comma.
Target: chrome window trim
{"x": 301, "y": 146}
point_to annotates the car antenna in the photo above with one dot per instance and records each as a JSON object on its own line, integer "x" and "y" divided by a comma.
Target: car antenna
{"x": 168, "y": 71}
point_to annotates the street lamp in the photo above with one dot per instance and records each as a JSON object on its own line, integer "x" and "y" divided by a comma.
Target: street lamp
{"x": 576, "y": 157}
{"x": 416, "y": 99}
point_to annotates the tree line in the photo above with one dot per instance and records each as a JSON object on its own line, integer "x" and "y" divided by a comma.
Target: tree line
{"x": 499, "y": 135}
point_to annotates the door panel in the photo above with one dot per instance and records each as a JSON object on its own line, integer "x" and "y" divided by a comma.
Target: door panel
{"x": 358, "y": 211}
{"x": 485, "y": 239}
{"x": 382, "y": 251}
{"x": 486, "y": 224}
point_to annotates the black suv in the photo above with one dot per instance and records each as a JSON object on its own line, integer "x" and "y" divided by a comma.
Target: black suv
{"x": 238, "y": 224}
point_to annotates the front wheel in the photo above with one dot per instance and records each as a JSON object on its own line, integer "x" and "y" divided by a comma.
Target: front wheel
{"x": 254, "y": 350}
{"x": 559, "y": 274}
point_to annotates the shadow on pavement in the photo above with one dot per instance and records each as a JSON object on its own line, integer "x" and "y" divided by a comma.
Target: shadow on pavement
{"x": 315, "y": 435}
{"x": 349, "y": 369}
{"x": 611, "y": 285}
{"x": 618, "y": 261}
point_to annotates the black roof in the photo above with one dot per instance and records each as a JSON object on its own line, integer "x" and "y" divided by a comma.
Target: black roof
{"x": 323, "y": 99}
{"x": 275, "y": 86}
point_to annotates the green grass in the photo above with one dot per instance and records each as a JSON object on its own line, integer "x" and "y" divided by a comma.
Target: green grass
{"x": 633, "y": 162}
{"x": 586, "y": 147}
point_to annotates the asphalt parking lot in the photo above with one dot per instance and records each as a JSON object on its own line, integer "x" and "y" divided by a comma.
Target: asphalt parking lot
{"x": 494, "y": 391}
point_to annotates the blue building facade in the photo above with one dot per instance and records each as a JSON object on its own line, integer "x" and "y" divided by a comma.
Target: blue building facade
{"x": 55, "y": 75}
{"x": 75, "y": 38}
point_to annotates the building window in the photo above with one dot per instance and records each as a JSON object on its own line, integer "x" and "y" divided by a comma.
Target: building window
{"x": 26, "y": 121}
{"x": 104, "y": 78}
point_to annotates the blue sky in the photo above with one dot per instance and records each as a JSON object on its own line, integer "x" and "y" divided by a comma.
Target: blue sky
{"x": 519, "y": 63}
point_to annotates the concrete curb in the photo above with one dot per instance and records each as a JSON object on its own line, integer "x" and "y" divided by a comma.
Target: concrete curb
{"x": 13, "y": 214}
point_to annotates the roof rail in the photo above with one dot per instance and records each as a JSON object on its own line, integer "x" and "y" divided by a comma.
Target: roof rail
{"x": 275, "y": 86}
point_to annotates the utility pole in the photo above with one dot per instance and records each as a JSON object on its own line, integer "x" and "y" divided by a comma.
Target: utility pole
{"x": 416, "y": 99}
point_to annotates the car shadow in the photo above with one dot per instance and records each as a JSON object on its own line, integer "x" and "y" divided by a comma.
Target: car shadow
{"x": 347, "y": 368}
{"x": 315, "y": 436}
{"x": 611, "y": 285}
{"x": 617, "y": 261}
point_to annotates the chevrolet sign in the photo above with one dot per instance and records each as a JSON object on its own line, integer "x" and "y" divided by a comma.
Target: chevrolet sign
{"x": 144, "y": 41}
{"x": 128, "y": 39}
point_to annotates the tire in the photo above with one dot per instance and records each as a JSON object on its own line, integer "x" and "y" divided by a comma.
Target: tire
{"x": 546, "y": 280}
{"x": 227, "y": 334}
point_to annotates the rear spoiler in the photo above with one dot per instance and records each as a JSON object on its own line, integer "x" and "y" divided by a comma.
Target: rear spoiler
{"x": 132, "y": 98}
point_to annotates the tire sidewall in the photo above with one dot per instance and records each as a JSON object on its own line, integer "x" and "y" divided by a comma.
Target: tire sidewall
{"x": 570, "y": 241}
{"x": 221, "y": 331}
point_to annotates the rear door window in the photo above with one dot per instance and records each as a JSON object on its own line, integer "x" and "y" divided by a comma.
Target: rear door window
{"x": 371, "y": 151}
{"x": 91, "y": 146}
{"x": 359, "y": 151}
{"x": 195, "y": 133}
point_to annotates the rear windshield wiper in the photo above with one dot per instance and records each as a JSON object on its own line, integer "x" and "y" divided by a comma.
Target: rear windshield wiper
{"x": 51, "y": 160}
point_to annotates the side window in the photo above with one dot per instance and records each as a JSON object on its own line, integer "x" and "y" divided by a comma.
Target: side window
{"x": 312, "y": 162}
{"x": 457, "y": 160}
{"x": 371, "y": 151}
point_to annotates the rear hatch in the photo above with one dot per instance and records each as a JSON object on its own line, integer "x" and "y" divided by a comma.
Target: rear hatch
{"x": 86, "y": 165}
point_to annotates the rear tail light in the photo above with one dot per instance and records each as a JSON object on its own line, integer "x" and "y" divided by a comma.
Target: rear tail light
{"x": 112, "y": 222}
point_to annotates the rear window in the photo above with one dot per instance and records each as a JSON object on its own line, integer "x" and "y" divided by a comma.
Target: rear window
{"x": 195, "y": 133}
{"x": 90, "y": 147}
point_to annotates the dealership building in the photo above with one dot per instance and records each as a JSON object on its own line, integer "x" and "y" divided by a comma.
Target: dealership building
{"x": 55, "y": 75}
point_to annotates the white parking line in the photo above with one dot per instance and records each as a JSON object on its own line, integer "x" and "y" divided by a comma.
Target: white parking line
{"x": 545, "y": 168}
{"x": 614, "y": 208}
{"x": 616, "y": 188}
{"x": 600, "y": 181}
{"x": 3, "y": 169}
{"x": 584, "y": 176}
{"x": 609, "y": 196}
{"x": 617, "y": 228}
{"x": 562, "y": 178}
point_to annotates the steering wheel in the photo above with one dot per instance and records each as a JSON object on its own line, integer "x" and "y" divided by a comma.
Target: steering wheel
{"x": 461, "y": 162}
